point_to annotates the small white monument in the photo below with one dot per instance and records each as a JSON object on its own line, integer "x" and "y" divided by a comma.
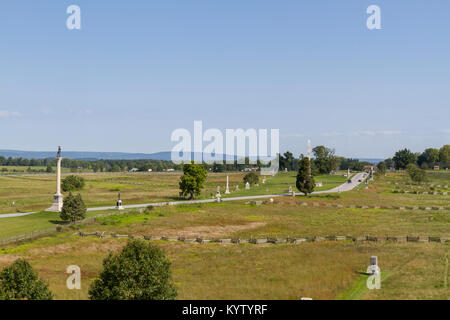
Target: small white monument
{"x": 264, "y": 180}
{"x": 237, "y": 188}
{"x": 57, "y": 197}
{"x": 374, "y": 269}
{"x": 227, "y": 190}
{"x": 319, "y": 184}
{"x": 218, "y": 195}
{"x": 119, "y": 205}
{"x": 247, "y": 186}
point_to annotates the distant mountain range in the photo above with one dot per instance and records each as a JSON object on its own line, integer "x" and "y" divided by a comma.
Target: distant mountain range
{"x": 85, "y": 155}
{"x": 373, "y": 160}
{"x": 88, "y": 155}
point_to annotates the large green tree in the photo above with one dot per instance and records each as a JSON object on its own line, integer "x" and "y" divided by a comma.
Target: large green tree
{"x": 429, "y": 157}
{"x": 288, "y": 161}
{"x": 192, "y": 180}
{"x": 389, "y": 163}
{"x": 381, "y": 167}
{"x": 404, "y": 157}
{"x": 73, "y": 208}
{"x": 20, "y": 282}
{"x": 139, "y": 272}
{"x": 305, "y": 182}
{"x": 72, "y": 183}
{"x": 444, "y": 156}
{"x": 251, "y": 178}
{"x": 325, "y": 159}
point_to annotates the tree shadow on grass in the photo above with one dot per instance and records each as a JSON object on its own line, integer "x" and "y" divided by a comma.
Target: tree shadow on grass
{"x": 58, "y": 222}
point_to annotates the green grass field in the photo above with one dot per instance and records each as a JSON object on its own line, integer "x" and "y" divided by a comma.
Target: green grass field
{"x": 320, "y": 270}
{"x": 35, "y": 193}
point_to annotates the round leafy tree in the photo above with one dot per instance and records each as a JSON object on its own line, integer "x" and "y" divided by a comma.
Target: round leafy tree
{"x": 305, "y": 182}
{"x": 20, "y": 282}
{"x": 139, "y": 272}
{"x": 404, "y": 157}
{"x": 72, "y": 183}
{"x": 251, "y": 178}
{"x": 193, "y": 180}
{"x": 73, "y": 208}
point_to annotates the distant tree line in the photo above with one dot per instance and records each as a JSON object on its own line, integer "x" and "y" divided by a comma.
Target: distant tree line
{"x": 415, "y": 164}
{"x": 121, "y": 165}
{"x": 323, "y": 161}
{"x": 94, "y": 165}
{"x": 425, "y": 160}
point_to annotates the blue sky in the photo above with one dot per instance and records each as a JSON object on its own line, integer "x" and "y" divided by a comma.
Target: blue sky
{"x": 137, "y": 70}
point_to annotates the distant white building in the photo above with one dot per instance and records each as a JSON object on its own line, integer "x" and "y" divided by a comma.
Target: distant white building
{"x": 150, "y": 170}
{"x": 134, "y": 170}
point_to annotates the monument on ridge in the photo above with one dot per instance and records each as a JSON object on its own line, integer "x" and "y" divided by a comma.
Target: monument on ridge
{"x": 247, "y": 186}
{"x": 227, "y": 189}
{"x": 57, "y": 197}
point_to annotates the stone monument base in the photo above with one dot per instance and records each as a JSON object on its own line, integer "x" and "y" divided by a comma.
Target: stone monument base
{"x": 119, "y": 205}
{"x": 57, "y": 203}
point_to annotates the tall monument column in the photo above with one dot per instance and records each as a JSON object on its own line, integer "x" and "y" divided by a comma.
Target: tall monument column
{"x": 57, "y": 197}
{"x": 309, "y": 150}
{"x": 309, "y": 155}
{"x": 227, "y": 190}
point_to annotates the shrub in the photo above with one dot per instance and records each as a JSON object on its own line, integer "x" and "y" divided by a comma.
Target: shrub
{"x": 251, "y": 178}
{"x": 73, "y": 208}
{"x": 415, "y": 173}
{"x": 72, "y": 183}
{"x": 139, "y": 272}
{"x": 20, "y": 282}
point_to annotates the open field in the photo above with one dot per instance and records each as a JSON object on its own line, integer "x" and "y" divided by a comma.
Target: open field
{"x": 321, "y": 270}
{"x": 214, "y": 271}
{"x": 34, "y": 193}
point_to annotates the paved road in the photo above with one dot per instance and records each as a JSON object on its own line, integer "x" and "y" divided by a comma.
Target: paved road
{"x": 342, "y": 188}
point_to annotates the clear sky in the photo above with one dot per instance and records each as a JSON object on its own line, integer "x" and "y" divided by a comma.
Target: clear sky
{"x": 137, "y": 70}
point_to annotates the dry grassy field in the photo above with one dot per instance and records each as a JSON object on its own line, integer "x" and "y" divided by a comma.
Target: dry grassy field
{"x": 320, "y": 270}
